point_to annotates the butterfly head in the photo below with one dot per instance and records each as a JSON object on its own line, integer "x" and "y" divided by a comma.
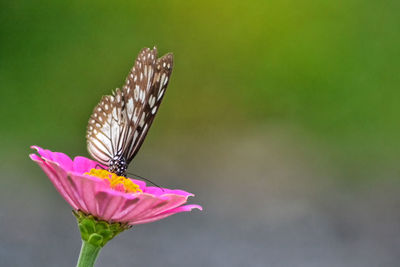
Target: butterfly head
{"x": 118, "y": 165}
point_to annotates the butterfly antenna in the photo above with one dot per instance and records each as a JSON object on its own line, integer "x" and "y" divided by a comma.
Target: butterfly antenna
{"x": 147, "y": 180}
{"x": 138, "y": 176}
{"x": 101, "y": 167}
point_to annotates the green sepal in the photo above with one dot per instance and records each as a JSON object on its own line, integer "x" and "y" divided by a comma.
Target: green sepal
{"x": 97, "y": 232}
{"x": 96, "y": 239}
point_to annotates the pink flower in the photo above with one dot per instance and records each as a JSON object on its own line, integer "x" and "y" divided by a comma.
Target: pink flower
{"x": 106, "y": 196}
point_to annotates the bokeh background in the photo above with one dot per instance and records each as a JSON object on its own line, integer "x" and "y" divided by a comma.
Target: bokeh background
{"x": 281, "y": 116}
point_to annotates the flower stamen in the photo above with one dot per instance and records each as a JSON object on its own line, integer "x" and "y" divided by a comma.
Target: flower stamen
{"x": 116, "y": 182}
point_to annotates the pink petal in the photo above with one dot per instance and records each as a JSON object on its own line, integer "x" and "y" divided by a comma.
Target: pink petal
{"x": 146, "y": 202}
{"x": 55, "y": 179}
{"x": 58, "y": 157}
{"x": 82, "y": 165}
{"x": 108, "y": 205}
{"x": 169, "y": 201}
{"x": 126, "y": 206}
{"x": 162, "y": 191}
{"x": 85, "y": 187}
{"x": 168, "y": 213}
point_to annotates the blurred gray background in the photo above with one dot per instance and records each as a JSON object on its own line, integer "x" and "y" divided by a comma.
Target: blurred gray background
{"x": 281, "y": 116}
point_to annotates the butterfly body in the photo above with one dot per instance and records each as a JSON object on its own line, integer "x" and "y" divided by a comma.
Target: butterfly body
{"x": 120, "y": 122}
{"x": 118, "y": 165}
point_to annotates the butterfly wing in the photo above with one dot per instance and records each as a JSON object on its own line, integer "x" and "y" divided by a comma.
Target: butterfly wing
{"x": 144, "y": 89}
{"x": 106, "y": 128}
{"x": 120, "y": 122}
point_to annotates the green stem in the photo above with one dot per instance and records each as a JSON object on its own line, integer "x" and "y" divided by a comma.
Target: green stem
{"x": 88, "y": 255}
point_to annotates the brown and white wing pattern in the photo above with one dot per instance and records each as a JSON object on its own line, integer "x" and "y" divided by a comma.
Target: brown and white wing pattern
{"x": 143, "y": 92}
{"x": 106, "y": 128}
{"x": 120, "y": 122}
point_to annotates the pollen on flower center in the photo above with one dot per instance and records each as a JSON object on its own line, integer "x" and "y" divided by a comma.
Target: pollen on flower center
{"x": 116, "y": 182}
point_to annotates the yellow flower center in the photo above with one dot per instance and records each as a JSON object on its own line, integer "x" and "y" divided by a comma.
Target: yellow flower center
{"x": 115, "y": 180}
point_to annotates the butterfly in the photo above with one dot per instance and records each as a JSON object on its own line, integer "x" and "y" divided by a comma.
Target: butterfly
{"x": 120, "y": 122}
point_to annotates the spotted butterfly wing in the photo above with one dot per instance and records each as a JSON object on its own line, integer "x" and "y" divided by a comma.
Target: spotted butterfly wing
{"x": 120, "y": 122}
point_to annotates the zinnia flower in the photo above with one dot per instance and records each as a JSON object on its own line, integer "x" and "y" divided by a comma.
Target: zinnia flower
{"x": 104, "y": 200}
{"x": 107, "y": 196}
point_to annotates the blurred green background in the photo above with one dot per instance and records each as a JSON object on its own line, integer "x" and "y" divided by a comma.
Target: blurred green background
{"x": 280, "y": 101}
